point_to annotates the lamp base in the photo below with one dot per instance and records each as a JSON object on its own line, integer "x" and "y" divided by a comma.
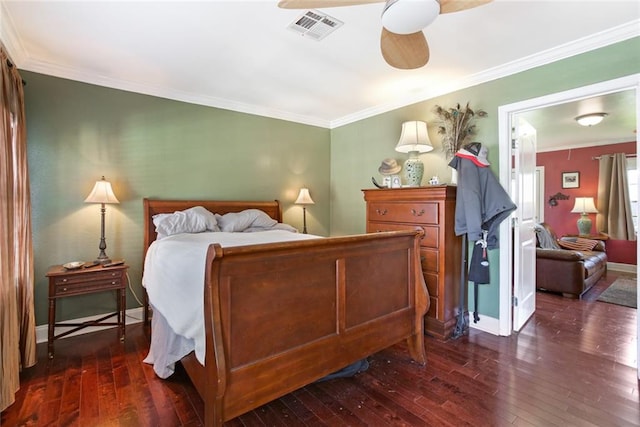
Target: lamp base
{"x": 103, "y": 259}
{"x": 413, "y": 171}
{"x": 584, "y": 225}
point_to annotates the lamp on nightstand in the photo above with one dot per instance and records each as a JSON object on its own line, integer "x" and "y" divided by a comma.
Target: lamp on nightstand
{"x": 584, "y": 206}
{"x": 304, "y": 199}
{"x": 102, "y": 193}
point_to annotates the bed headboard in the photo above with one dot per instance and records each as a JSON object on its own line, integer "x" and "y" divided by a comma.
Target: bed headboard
{"x": 156, "y": 206}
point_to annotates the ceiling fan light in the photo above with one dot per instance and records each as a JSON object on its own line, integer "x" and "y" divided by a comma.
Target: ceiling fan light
{"x": 590, "y": 119}
{"x": 409, "y": 16}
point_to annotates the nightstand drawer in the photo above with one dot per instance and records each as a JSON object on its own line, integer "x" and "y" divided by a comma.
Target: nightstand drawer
{"x": 418, "y": 212}
{"x": 104, "y": 280}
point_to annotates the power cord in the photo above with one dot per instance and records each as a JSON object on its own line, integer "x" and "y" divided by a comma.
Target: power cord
{"x": 132, "y": 291}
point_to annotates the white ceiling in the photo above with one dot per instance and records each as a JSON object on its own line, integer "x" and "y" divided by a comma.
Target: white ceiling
{"x": 239, "y": 55}
{"x": 556, "y": 127}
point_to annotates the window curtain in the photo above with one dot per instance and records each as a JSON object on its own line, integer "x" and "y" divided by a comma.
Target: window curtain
{"x": 17, "y": 319}
{"x": 614, "y": 206}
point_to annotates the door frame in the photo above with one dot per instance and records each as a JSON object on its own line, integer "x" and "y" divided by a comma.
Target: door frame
{"x": 505, "y": 115}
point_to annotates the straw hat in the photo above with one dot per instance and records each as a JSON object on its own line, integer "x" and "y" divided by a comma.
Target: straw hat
{"x": 389, "y": 167}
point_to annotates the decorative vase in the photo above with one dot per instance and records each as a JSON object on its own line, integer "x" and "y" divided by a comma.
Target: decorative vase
{"x": 454, "y": 176}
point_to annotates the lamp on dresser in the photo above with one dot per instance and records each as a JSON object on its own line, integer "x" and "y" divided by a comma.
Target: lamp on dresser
{"x": 584, "y": 206}
{"x": 304, "y": 199}
{"x": 102, "y": 193}
{"x": 414, "y": 140}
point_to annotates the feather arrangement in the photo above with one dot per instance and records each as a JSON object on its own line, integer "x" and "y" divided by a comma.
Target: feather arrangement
{"x": 457, "y": 126}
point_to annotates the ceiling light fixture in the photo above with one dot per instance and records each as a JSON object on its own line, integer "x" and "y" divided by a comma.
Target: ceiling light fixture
{"x": 408, "y": 17}
{"x": 590, "y": 119}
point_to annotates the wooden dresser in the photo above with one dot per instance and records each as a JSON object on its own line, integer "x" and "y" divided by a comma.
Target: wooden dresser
{"x": 432, "y": 209}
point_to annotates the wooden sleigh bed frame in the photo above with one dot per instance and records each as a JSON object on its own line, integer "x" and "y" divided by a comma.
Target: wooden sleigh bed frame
{"x": 280, "y": 316}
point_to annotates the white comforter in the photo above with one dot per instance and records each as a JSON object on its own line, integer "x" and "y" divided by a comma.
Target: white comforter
{"x": 174, "y": 271}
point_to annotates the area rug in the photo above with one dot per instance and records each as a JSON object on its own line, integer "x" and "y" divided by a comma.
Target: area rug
{"x": 623, "y": 291}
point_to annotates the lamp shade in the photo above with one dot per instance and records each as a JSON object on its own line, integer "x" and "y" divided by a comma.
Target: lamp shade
{"x": 584, "y": 205}
{"x": 304, "y": 198}
{"x": 414, "y": 138}
{"x": 102, "y": 193}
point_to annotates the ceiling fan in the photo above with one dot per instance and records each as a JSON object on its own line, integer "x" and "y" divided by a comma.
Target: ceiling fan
{"x": 402, "y": 42}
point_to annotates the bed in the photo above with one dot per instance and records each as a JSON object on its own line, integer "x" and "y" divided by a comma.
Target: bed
{"x": 278, "y": 316}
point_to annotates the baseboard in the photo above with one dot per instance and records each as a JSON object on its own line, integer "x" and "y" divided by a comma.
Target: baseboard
{"x": 486, "y": 324}
{"x": 133, "y": 315}
{"x": 623, "y": 268}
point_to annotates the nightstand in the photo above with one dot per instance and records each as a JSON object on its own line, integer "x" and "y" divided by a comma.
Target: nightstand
{"x": 82, "y": 281}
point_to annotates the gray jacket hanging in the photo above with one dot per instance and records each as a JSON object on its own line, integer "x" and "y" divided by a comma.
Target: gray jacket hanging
{"x": 481, "y": 202}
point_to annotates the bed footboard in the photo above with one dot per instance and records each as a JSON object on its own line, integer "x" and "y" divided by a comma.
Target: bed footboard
{"x": 280, "y": 316}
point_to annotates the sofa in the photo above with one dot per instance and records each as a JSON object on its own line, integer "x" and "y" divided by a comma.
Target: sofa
{"x": 570, "y": 265}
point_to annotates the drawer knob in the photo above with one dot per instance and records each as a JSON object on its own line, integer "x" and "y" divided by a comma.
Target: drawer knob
{"x": 64, "y": 289}
{"x": 413, "y": 211}
{"x": 381, "y": 212}
{"x": 113, "y": 283}
{"x": 64, "y": 280}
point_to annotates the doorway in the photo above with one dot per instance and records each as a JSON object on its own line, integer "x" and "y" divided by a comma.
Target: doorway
{"x": 506, "y": 119}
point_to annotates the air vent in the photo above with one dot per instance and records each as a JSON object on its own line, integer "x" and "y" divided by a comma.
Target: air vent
{"x": 315, "y": 25}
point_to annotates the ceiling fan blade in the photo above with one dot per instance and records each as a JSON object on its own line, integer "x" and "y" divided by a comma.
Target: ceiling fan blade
{"x": 404, "y": 51}
{"x": 450, "y": 6}
{"x": 319, "y": 4}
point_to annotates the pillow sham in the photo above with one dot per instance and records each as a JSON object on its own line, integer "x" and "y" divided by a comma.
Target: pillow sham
{"x": 193, "y": 220}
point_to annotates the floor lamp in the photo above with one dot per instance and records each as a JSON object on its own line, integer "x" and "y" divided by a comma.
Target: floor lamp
{"x": 304, "y": 199}
{"x": 102, "y": 193}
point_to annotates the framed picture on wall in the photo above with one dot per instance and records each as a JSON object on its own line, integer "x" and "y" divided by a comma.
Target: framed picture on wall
{"x": 570, "y": 179}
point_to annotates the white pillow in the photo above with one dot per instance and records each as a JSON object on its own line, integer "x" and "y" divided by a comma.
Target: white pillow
{"x": 240, "y": 221}
{"x": 192, "y": 220}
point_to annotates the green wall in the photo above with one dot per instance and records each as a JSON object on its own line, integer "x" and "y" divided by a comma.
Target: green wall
{"x": 150, "y": 147}
{"x": 357, "y": 149}
{"x": 153, "y": 147}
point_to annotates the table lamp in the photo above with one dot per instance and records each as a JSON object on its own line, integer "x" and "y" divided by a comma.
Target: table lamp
{"x": 102, "y": 193}
{"x": 304, "y": 199}
{"x": 414, "y": 140}
{"x": 584, "y": 206}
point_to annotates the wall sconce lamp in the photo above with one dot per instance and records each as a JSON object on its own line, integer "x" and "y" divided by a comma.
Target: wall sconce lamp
{"x": 591, "y": 119}
{"x": 584, "y": 206}
{"x": 553, "y": 200}
{"x": 414, "y": 140}
{"x": 304, "y": 199}
{"x": 102, "y": 193}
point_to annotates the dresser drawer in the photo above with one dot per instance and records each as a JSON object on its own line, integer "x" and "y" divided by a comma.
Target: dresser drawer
{"x": 104, "y": 280}
{"x": 430, "y": 260}
{"x": 416, "y": 213}
{"x": 431, "y": 280}
{"x": 433, "y": 308}
{"x": 429, "y": 240}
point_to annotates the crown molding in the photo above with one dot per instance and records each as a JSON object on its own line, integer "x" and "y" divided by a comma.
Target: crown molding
{"x": 11, "y": 40}
{"x": 9, "y": 37}
{"x": 167, "y": 93}
{"x": 576, "y": 47}
{"x": 583, "y": 144}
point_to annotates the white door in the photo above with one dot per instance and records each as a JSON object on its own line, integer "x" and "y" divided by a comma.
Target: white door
{"x": 524, "y": 259}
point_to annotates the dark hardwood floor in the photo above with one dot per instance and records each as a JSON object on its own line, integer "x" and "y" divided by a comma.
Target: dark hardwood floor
{"x": 573, "y": 364}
